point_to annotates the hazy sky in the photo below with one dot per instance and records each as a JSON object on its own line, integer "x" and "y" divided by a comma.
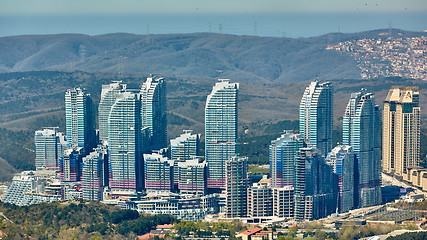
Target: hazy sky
{"x": 49, "y": 7}
{"x": 290, "y": 18}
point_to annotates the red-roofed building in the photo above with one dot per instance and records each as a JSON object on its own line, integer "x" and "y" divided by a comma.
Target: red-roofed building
{"x": 246, "y": 235}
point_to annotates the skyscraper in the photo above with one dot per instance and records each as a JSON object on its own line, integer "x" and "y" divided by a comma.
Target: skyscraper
{"x": 158, "y": 173}
{"x": 316, "y": 116}
{"x": 221, "y": 114}
{"x": 236, "y": 187}
{"x": 341, "y": 158}
{"x": 70, "y": 165}
{"x": 124, "y": 143}
{"x": 314, "y": 186}
{"x": 184, "y": 148}
{"x": 94, "y": 174}
{"x": 108, "y": 98}
{"x": 49, "y": 147}
{"x": 192, "y": 177}
{"x": 80, "y": 119}
{"x": 153, "y": 111}
{"x": 362, "y": 131}
{"x": 283, "y": 152}
{"x": 401, "y": 130}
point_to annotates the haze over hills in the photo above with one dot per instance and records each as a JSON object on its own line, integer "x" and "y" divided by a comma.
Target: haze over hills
{"x": 207, "y": 55}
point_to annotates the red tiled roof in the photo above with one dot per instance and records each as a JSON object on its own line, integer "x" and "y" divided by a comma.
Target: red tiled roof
{"x": 251, "y": 231}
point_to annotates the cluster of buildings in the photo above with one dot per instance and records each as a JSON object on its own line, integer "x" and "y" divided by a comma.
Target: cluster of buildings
{"x": 126, "y": 161}
{"x": 403, "y": 57}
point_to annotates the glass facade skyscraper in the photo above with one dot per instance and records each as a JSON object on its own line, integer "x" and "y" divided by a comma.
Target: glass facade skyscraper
{"x": 184, "y": 148}
{"x": 314, "y": 186}
{"x": 80, "y": 119}
{"x": 125, "y": 143}
{"x": 221, "y": 116}
{"x": 94, "y": 174}
{"x": 49, "y": 147}
{"x": 108, "y": 98}
{"x": 283, "y": 153}
{"x": 341, "y": 158}
{"x": 316, "y": 116}
{"x": 153, "y": 111}
{"x": 362, "y": 131}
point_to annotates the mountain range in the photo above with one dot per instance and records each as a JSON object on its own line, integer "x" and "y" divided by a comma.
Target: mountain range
{"x": 206, "y": 55}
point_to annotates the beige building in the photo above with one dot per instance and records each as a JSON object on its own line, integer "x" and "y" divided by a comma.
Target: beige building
{"x": 401, "y": 130}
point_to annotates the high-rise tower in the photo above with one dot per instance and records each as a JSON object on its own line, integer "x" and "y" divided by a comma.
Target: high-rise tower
{"x": 316, "y": 116}
{"x": 125, "y": 143}
{"x": 283, "y": 153}
{"x": 341, "y": 158}
{"x": 49, "y": 147}
{"x": 362, "y": 131}
{"x": 236, "y": 187}
{"x": 108, "y": 98}
{"x": 314, "y": 186}
{"x": 220, "y": 130}
{"x": 401, "y": 130}
{"x": 184, "y": 148}
{"x": 153, "y": 111}
{"x": 80, "y": 119}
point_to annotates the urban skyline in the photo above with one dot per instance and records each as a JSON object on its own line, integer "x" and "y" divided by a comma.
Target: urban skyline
{"x": 304, "y": 183}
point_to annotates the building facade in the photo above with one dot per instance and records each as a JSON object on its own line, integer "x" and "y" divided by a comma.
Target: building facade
{"x": 283, "y": 202}
{"x": 158, "y": 173}
{"x": 260, "y": 200}
{"x": 221, "y": 118}
{"x": 70, "y": 165}
{"x": 95, "y": 174}
{"x": 184, "y": 148}
{"x": 80, "y": 119}
{"x": 124, "y": 143}
{"x": 108, "y": 98}
{"x": 316, "y": 116}
{"x": 49, "y": 147}
{"x": 401, "y": 130}
{"x": 283, "y": 152}
{"x": 314, "y": 187}
{"x": 342, "y": 159}
{"x": 236, "y": 187}
{"x": 362, "y": 131}
{"x": 192, "y": 177}
{"x": 153, "y": 111}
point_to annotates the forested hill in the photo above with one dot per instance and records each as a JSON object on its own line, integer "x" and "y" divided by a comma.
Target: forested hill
{"x": 241, "y": 58}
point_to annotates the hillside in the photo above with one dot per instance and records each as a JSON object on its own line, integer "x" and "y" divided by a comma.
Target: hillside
{"x": 242, "y": 58}
{"x": 75, "y": 220}
{"x": 206, "y": 55}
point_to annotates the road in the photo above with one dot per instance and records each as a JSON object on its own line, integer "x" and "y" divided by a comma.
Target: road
{"x": 1, "y": 214}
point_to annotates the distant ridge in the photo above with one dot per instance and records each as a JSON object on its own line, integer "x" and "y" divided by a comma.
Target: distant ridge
{"x": 241, "y": 58}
